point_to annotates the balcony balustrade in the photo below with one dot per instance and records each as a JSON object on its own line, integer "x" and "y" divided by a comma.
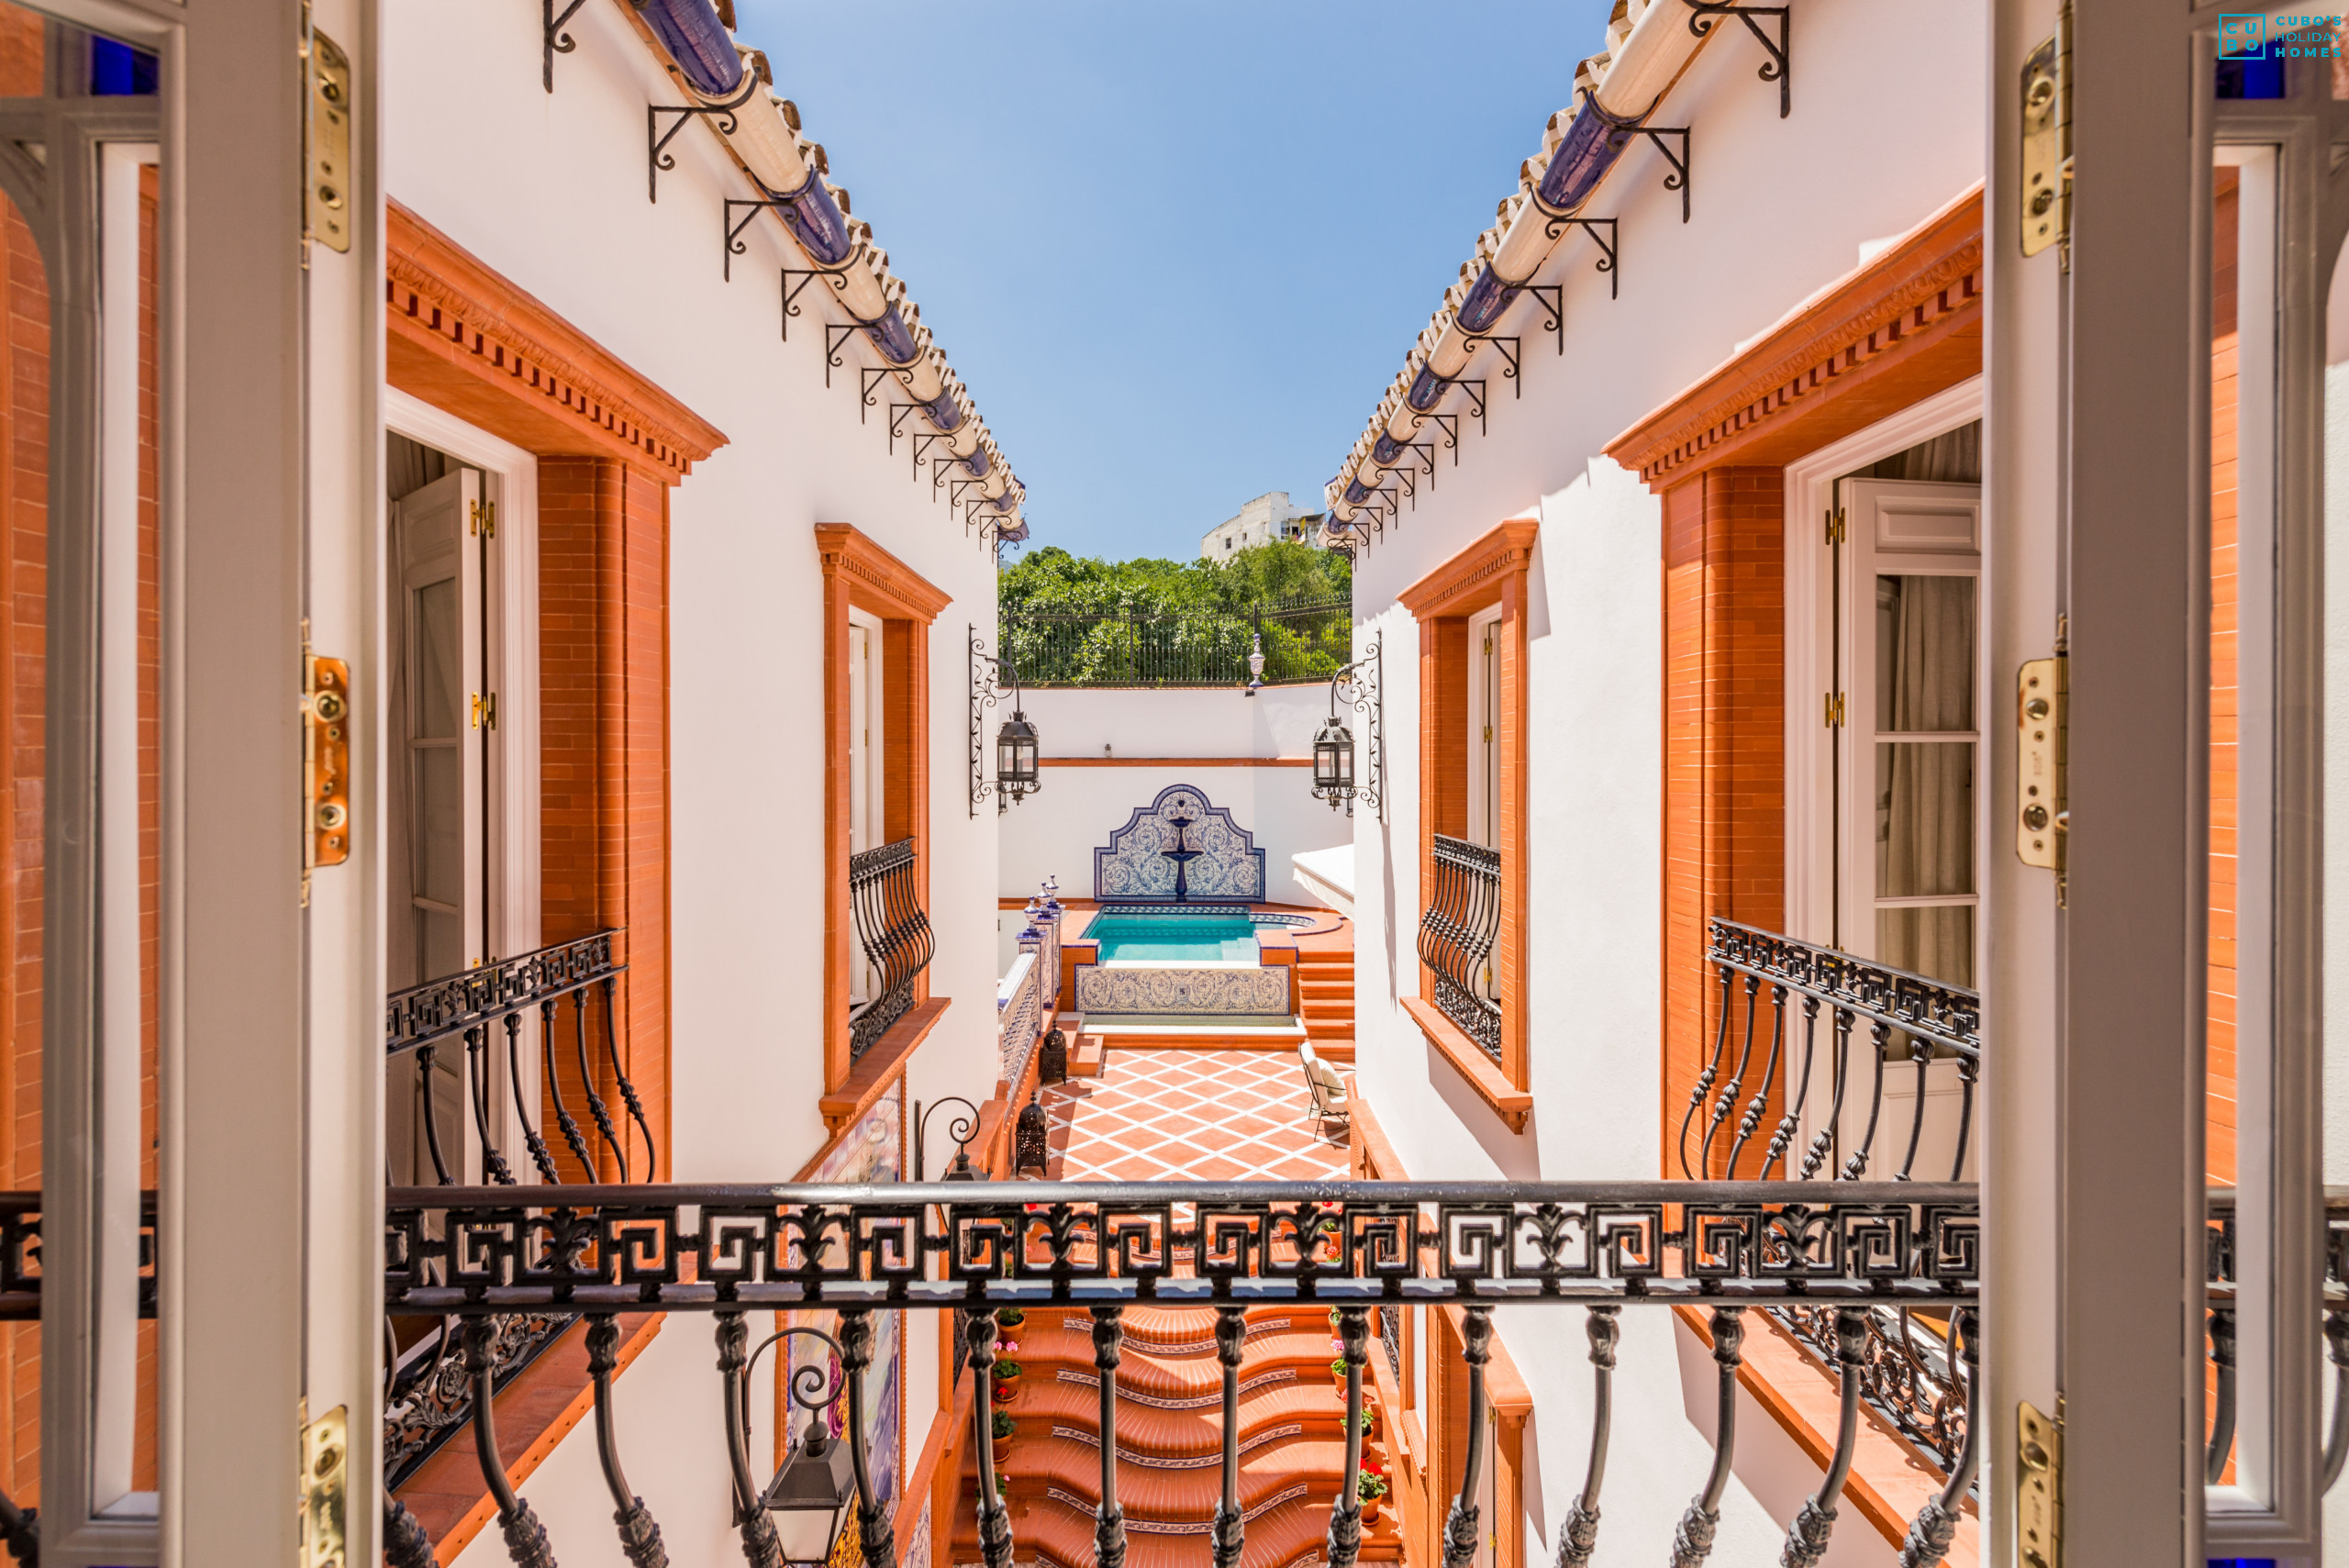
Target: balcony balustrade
{"x": 1462, "y": 922}
{"x": 885, "y": 903}
{"x": 435, "y": 1378}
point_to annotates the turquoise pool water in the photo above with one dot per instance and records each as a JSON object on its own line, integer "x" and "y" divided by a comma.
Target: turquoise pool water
{"x": 1174, "y": 938}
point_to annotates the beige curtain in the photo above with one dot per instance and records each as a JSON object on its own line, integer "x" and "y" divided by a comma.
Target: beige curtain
{"x": 1928, "y": 834}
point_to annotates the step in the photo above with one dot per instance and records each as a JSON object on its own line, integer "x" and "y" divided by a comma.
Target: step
{"x": 1319, "y": 1030}
{"x": 1314, "y": 986}
{"x": 1060, "y": 1534}
{"x": 1328, "y": 1007}
{"x": 1086, "y": 1061}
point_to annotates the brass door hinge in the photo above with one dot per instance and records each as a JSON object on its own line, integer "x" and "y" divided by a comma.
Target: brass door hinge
{"x": 2038, "y": 1487}
{"x": 1836, "y": 526}
{"x": 2046, "y": 188}
{"x": 485, "y": 710}
{"x": 486, "y": 518}
{"x": 2042, "y": 814}
{"x": 326, "y": 211}
{"x": 326, "y": 764}
{"x": 325, "y": 1489}
{"x": 1834, "y": 710}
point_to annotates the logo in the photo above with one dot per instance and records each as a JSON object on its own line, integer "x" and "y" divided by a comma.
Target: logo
{"x": 2242, "y": 37}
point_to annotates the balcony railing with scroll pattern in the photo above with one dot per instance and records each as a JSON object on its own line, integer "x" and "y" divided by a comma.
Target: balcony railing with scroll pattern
{"x": 433, "y": 1384}
{"x": 736, "y": 1252}
{"x": 1771, "y": 989}
{"x": 885, "y": 900}
{"x": 1457, "y": 931}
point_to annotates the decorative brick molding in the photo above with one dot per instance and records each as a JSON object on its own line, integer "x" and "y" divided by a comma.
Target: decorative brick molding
{"x": 462, "y": 336}
{"x": 1469, "y": 581}
{"x": 1902, "y": 325}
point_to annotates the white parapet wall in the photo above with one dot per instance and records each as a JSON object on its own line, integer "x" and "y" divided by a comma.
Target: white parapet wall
{"x": 1109, "y": 753}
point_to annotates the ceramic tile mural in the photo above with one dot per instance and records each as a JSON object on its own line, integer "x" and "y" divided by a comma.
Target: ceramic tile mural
{"x": 917, "y": 1551}
{"x": 1179, "y": 840}
{"x": 869, "y": 1152}
{"x": 1252, "y": 990}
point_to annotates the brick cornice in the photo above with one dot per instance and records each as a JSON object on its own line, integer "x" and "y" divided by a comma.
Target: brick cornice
{"x": 878, "y": 581}
{"x": 1913, "y": 311}
{"x": 1474, "y": 574}
{"x": 464, "y": 336}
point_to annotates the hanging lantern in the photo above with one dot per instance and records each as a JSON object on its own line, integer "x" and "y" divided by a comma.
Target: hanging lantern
{"x": 1014, "y": 758}
{"x": 810, "y": 1499}
{"x": 1333, "y": 762}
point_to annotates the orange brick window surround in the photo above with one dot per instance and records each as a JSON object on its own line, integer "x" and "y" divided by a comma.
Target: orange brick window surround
{"x": 1491, "y": 571}
{"x": 860, "y": 575}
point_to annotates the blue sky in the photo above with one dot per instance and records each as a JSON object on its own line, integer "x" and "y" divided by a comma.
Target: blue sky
{"x": 1174, "y": 250}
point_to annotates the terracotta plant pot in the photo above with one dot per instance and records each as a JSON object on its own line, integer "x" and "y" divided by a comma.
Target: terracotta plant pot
{"x": 1370, "y": 1510}
{"x": 1004, "y": 1394}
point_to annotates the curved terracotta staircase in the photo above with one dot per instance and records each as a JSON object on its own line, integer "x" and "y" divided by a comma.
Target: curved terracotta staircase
{"x": 1170, "y": 1425}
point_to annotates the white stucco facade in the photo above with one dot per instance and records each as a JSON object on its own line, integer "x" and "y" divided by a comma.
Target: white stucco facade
{"x": 1904, "y": 144}
{"x": 550, "y": 190}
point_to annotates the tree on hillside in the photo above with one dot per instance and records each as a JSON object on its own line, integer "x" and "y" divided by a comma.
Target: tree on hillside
{"x": 1078, "y": 620}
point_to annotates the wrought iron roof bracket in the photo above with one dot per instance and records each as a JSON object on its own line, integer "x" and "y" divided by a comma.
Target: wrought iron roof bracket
{"x": 657, "y": 156}
{"x": 1779, "y": 67}
{"x": 1622, "y": 129}
{"x": 557, "y": 40}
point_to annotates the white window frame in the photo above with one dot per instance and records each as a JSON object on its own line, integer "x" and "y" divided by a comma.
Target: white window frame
{"x": 509, "y": 657}
{"x": 1484, "y": 754}
{"x": 1810, "y": 672}
{"x": 510, "y": 669}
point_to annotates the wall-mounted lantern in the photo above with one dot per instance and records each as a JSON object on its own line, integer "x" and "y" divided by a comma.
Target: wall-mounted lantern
{"x": 800, "y": 1516}
{"x": 1335, "y": 779}
{"x": 1333, "y": 762}
{"x": 1016, "y": 750}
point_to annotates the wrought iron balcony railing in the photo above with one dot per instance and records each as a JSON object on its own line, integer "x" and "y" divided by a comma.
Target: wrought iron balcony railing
{"x": 895, "y": 933}
{"x": 428, "y": 1392}
{"x": 1218, "y": 1249}
{"x": 1909, "y": 1359}
{"x": 1457, "y": 930}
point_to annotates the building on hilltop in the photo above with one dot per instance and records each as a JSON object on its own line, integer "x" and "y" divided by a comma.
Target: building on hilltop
{"x": 1268, "y": 517}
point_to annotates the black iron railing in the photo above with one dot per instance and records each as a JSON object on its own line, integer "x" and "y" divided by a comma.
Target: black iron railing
{"x": 1190, "y": 648}
{"x": 885, "y": 901}
{"x": 1458, "y": 927}
{"x": 1775, "y": 993}
{"x": 735, "y": 1252}
{"x": 430, "y": 1387}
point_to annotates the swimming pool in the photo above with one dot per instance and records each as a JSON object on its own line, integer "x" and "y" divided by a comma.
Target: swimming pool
{"x": 1172, "y": 937}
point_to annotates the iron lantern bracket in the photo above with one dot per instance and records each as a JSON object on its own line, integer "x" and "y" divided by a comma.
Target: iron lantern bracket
{"x": 1427, "y": 456}
{"x": 1361, "y": 687}
{"x": 657, "y": 156}
{"x": 986, "y": 691}
{"x": 1779, "y": 67}
{"x": 557, "y": 40}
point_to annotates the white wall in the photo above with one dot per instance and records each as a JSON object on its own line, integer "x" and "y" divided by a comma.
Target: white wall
{"x": 1782, "y": 208}
{"x": 1056, "y": 833}
{"x": 550, "y": 189}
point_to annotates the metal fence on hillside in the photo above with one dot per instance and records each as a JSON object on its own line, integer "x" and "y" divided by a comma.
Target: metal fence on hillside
{"x": 1302, "y": 643}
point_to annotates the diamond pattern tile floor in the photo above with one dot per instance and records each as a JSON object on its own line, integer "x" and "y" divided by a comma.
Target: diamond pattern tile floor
{"x": 1187, "y": 1114}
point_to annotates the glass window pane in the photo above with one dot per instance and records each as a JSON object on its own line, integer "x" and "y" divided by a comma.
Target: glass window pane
{"x": 1936, "y": 942}
{"x": 440, "y": 827}
{"x": 1924, "y": 819}
{"x": 1924, "y": 653}
{"x": 439, "y": 702}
